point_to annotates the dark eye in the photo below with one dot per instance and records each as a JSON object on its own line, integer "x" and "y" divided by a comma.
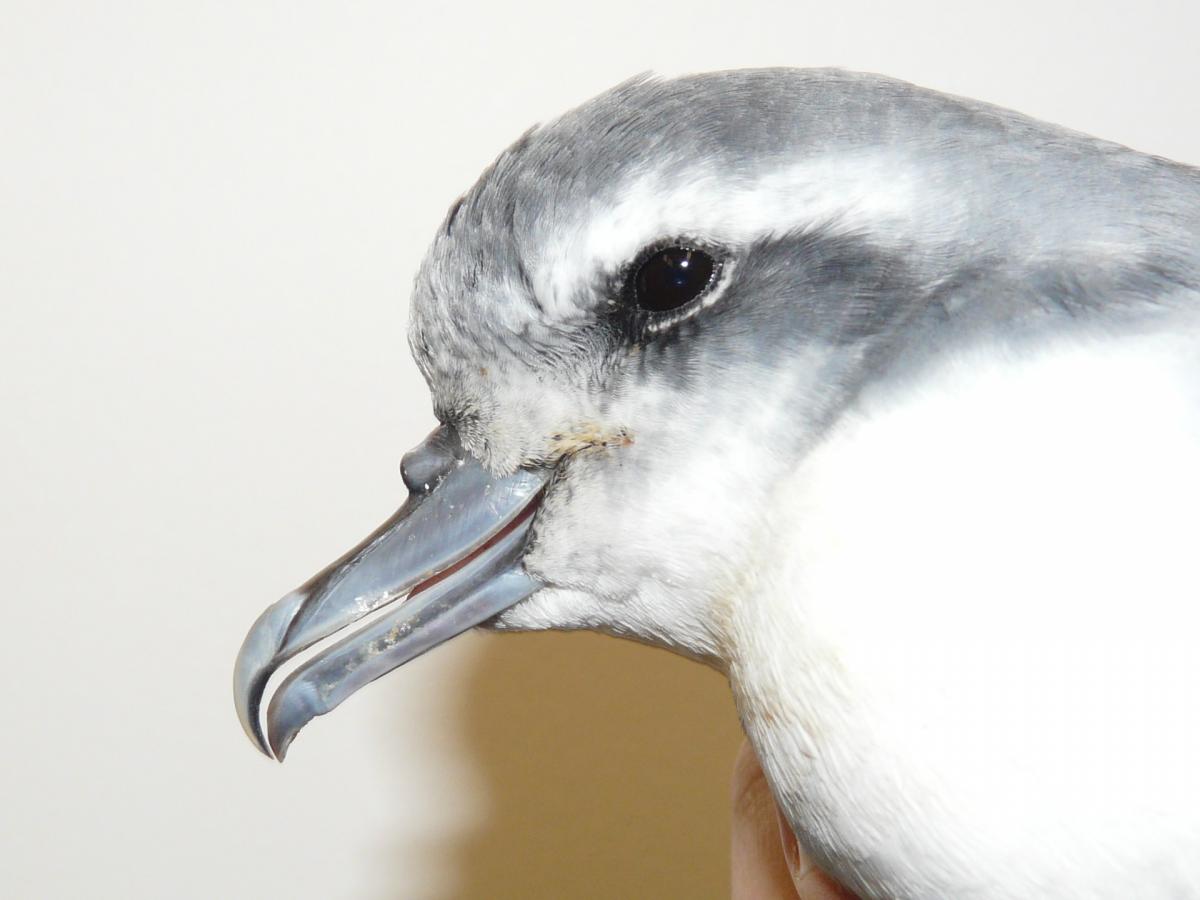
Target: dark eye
{"x": 672, "y": 277}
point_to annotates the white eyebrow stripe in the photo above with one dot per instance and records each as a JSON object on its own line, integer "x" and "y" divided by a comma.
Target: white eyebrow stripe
{"x": 866, "y": 193}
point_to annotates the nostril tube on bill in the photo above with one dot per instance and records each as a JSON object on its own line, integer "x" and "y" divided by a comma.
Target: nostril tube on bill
{"x": 447, "y": 560}
{"x": 425, "y": 465}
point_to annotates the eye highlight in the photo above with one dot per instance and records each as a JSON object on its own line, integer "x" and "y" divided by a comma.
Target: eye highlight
{"x": 672, "y": 277}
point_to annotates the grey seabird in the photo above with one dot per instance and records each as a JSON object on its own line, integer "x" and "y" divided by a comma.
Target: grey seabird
{"x": 883, "y": 402}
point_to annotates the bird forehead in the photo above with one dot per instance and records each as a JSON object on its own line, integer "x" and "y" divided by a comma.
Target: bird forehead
{"x": 533, "y": 253}
{"x": 726, "y": 158}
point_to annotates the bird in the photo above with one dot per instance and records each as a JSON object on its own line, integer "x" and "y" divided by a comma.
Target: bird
{"x": 884, "y": 403}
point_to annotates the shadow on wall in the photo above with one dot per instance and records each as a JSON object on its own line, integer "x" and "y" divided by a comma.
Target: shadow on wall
{"x": 607, "y": 767}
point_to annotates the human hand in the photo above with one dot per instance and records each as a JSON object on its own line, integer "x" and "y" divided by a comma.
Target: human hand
{"x": 768, "y": 862}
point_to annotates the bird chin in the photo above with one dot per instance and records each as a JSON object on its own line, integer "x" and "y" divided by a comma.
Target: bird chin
{"x": 558, "y": 608}
{"x": 449, "y": 559}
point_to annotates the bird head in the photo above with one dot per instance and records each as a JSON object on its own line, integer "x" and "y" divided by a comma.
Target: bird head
{"x": 632, "y": 327}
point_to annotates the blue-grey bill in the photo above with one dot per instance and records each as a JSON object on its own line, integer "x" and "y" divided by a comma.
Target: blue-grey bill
{"x": 449, "y": 559}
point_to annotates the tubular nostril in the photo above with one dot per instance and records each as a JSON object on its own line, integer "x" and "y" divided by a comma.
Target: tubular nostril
{"x": 423, "y": 466}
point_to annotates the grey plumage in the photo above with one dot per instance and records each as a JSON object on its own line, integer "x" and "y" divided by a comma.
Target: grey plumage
{"x": 1049, "y": 227}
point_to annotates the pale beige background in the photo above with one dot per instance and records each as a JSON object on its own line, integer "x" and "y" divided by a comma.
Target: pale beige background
{"x": 209, "y": 217}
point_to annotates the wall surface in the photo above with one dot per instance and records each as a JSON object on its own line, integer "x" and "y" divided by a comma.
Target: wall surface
{"x": 210, "y": 214}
